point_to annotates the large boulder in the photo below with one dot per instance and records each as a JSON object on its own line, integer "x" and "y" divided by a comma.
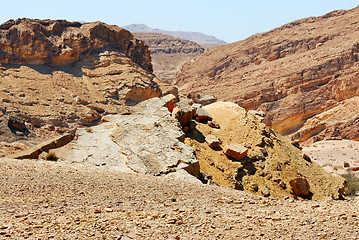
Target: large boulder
{"x": 300, "y": 186}
{"x": 146, "y": 140}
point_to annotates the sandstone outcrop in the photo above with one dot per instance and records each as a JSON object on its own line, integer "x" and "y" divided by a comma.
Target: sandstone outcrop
{"x": 146, "y": 140}
{"x": 293, "y": 73}
{"x": 271, "y": 161}
{"x": 59, "y": 75}
{"x": 169, "y": 53}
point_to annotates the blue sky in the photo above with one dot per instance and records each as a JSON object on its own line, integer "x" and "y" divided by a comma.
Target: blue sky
{"x": 230, "y": 20}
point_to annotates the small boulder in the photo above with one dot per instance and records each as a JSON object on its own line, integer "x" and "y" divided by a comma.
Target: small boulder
{"x": 183, "y": 112}
{"x": 170, "y": 101}
{"x": 265, "y": 191}
{"x": 236, "y": 151}
{"x": 203, "y": 115}
{"x": 300, "y": 186}
{"x": 204, "y": 99}
{"x": 16, "y": 123}
{"x": 213, "y": 141}
{"x": 196, "y": 105}
{"x": 213, "y": 124}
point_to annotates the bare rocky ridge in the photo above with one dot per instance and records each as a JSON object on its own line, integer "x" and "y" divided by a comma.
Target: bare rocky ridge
{"x": 169, "y": 53}
{"x": 58, "y": 75}
{"x": 293, "y": 73}
{"x": 190, "y": 36}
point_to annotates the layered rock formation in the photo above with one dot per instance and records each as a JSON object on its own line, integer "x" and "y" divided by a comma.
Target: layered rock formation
{"x": 292, "y": 73}
{"x": 169, "y": 53}
{"x": 58, "y": 75}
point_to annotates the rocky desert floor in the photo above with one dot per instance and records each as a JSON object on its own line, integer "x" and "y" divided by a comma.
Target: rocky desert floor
{"x": 53, "y": 200}
{"x": 335, "y": 156}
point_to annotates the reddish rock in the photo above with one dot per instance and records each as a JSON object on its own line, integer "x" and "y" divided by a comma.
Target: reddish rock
{"x": 300, "y": 186}
{"x": 170, "y": 101}
{"x": 202, "y": 115}
{"x": 236, "y": 151}
{"x": 213, "y": 141}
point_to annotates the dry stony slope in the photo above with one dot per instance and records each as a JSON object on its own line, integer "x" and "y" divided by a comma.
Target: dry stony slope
{"x": 270, "y": 164}
{"x": 168, "y": 53}
{"x": 50, "y": 200}
{"x": 58, "y": 75}
{"x": 293, "y": 73}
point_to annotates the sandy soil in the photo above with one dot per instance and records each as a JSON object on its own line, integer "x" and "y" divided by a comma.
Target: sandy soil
{"x": 50, "y": 200}
{"x": 332, "y": 154}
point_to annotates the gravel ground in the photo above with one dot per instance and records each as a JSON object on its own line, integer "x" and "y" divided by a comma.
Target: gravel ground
{"x": 50, "y": 200}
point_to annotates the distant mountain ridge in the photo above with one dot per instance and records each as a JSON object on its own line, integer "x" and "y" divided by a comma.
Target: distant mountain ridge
{"x": 191, "y": 36}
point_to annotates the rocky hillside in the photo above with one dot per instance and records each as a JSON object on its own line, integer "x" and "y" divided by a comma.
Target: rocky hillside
{"x": 57, "y": 75}
{"x": 190, "y": 36}
{"x": 234, "y": 149}
{"x": 303, "y": 75}
{"x": 169, "y": 53}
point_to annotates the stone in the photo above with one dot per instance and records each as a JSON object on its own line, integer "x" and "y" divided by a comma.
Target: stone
{"x": 16, "y": 124}
{"x": 183, "y": 112}
{"x": 213, "y": 124}
{"x": 300, "y": 186}
{"x": 259, "y": 114}
{"x": 346, "y": 164}
{"x": 170, "y": 101}
{"x": 34, "y": 152}
{"x": 202, "y": 115}
{"x": 213, "y": 141}
{"x": 236, "y": 151}
{"x": 265, "y": 191}
{"x": 196, "y": 105}
{"x": 204, "y": 99}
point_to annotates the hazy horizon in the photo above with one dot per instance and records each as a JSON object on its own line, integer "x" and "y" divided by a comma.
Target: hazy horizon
{"x": 228, "y": 20}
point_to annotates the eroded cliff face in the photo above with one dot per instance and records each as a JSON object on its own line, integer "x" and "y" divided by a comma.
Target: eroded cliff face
{"x": 61, "y": 42}
{"x": 292, "y": 73}
{"x": 59, "y": 75}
